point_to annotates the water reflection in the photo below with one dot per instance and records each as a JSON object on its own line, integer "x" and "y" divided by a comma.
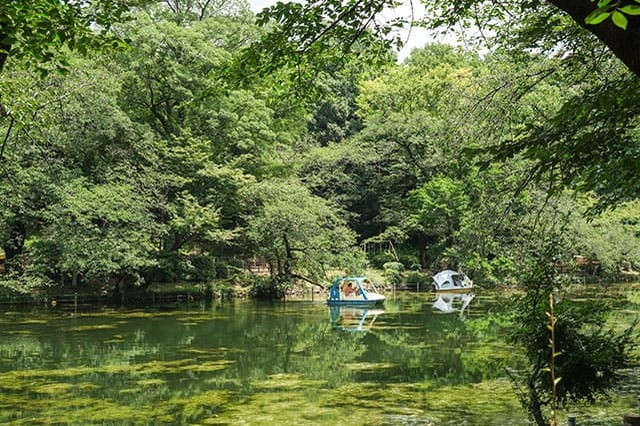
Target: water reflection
{"x": 453, "y": 302}
{"x": 241, "y": 362}
{"x": 353, "y": 319}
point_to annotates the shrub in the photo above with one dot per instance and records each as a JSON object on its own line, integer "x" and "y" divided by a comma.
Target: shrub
{"x": 265, "y": 288}
{"x": 202, "y": 268}
{"x": 418, "y": 279}
{"x": 378, "y": 260}
{"x": 392, "y": 272}
{"x": 222, "y": 270}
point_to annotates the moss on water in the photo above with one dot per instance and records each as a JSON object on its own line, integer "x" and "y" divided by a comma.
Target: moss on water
{"x": 202, "y": 405}
{"x": 286, "y": 381}
{"x": 151, "y": 382}
{"x": 634, "y": 297}
{"x": 34, "y": 321}
{"x": 369, "y": 366}
{"x": 25, "y": 379}
{"x": 484, "y": 402}
{"x": 195, "y": 351}
{"x": 252, "y": 364}
{"x": 207, "y": 366}
{"x": 92, "y": 327}
{"x": 52, "y": 388}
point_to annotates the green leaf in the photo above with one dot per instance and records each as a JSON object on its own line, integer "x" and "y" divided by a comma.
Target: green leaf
{"x": 557, "y": 380}
{"x": 630, "y": 9}
{"x": 596, "y": 17}
{"x": 619, "y": 20}
{"x": 603, "y": 3}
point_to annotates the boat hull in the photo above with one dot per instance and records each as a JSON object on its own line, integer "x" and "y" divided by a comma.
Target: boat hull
{"x": 372, "y": 301}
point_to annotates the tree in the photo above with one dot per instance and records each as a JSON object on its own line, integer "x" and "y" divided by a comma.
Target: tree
{"x": 438, "y": 206}
{"x": 300, "y": 236}
{"x": 589, "y": 144}
{"x": 312, "y": 26}
{"x": 588, "y": 353}
{"x": 556, "y": 28}
{"x": 103, "y": 233}
{"x": 40, "y": 31}
{"x": 212, "y": 139}
{"x": 76, "y": 200}
{"x": 620, "y": 34}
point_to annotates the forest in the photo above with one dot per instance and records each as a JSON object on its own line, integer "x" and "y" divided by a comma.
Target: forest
{"x": 148, "y": 143}
{"x": 175, "y": 153}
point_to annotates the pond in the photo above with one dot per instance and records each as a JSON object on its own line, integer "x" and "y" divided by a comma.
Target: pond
{"x": 420, "y": 360}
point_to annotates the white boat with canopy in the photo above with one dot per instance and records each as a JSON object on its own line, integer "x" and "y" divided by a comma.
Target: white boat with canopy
{"x": 449, "y": 280}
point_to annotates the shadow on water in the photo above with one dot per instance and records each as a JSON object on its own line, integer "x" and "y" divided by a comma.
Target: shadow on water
{"x": 423, "y": 359}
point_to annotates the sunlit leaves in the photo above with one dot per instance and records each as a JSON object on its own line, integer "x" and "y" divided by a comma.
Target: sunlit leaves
{"x": 302, "y": 40}
{"x": 596, "y": 17}
{"x": 619, "y": 20}
{"x": 615, "y": 11}
{"x": 630, "y": 9}
{"x": 40, "y": 31}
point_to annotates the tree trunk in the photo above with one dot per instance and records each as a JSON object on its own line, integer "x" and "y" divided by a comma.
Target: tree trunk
{"x": 535, "y": 406}
{"x": 14, "y": 246}
{"x": 625, "y": 44}
{"x": 4, "y": 51}
{"x": 288, "y": 258}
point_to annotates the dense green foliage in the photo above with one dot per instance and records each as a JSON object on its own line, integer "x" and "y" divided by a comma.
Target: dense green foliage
{"x": 39, "y": 32}
{"x": 191, "y": 156}
{"x": 588, "y": 352}
{"x": 167, "y": 161}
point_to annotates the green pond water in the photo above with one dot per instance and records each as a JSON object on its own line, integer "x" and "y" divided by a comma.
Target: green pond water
{"x": 295, "y": 362}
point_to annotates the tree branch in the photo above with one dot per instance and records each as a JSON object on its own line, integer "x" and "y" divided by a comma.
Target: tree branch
{"x": 625, "y": 44}
{"x": 6, "y": 136}
{"x": 309, "y": 280}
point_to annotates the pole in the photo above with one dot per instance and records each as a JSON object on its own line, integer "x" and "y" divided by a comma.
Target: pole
{"x": 572, "y": 421}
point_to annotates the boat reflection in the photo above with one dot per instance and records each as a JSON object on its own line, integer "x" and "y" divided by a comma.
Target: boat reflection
{"x": 348, "y": 318}
{"x": 453, "y": 302}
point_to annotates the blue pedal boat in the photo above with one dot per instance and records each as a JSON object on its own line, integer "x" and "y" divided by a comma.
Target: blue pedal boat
{"x": 354, "y": 291}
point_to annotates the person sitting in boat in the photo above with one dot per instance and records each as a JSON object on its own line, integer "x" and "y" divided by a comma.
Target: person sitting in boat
{"x": 350, "y": 290}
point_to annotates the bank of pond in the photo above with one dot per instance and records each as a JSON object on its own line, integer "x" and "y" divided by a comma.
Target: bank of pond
{"x": 422, "y": 358}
